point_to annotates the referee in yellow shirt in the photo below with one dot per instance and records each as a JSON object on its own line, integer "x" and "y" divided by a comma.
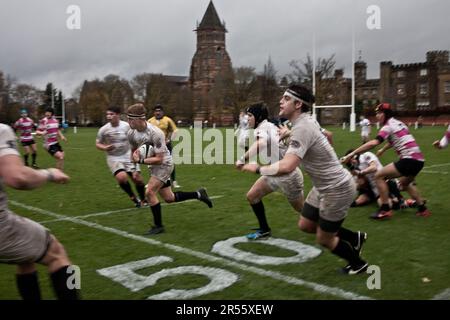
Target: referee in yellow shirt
{"x": 169, "y": 128}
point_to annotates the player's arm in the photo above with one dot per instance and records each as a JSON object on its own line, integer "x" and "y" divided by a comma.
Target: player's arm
{"x": 370, "y": 169}
{"x": 386, "y": 147}
{"x": 103, "y": 147}
{"x": 18, "y": 176}
{"x": 259, "y": 145}
{"x": 365, "y": 147}
{"x": 285, "y": 165}
{"x": 61, "y": 136}
{"x": 172, "y": 132}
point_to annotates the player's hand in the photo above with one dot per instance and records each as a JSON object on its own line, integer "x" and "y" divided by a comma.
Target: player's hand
{"x": 64, "y": 139}
{"x": 136, "y": 156}
{"x": 437, "y": 144}
{"x": 380, "y": 153}
{"x": 345, "y": 159}
{"x": 109, "y": 147}
{"x": 250, "y": 167}
{"x": 283, "y": 131}
{"x": 57, "y": 176}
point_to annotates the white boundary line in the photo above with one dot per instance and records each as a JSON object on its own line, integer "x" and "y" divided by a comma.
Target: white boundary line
{"x": 444, "y": 295}
{"x": 262, "y": 272}
{"x": 430, "y": 171}
{"x": 437, "y": 165}
{"x": 105, "y": 213}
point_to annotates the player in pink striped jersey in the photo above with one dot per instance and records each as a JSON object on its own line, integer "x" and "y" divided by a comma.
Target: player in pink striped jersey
{"x": 25, "y": 127}
{"x": 49, "y": 128}
{"x": 443, "y": 143}
{"x": 410, "y": 163}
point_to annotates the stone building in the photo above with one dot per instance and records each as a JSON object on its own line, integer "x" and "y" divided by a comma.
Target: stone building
{"x": 211, "y": 71}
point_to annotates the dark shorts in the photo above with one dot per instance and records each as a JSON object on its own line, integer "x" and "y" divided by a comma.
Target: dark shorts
{"x": 312, "y": 213}
{"x": 409, "y": 167}
{"x": 54, "y": 148}
{"x": 28, "y": 143}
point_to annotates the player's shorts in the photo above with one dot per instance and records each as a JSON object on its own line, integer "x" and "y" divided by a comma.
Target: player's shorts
{"x": 116, "y": 166}
{"x": 409, "y": 167}
{"x": 162, "y": 172}
{"x": 333, "y": 205}
{"x": 54, "y": 148}
{"x": 28, "y": 143}
{"x": 291, "y": 184}
{"x": 21, "y": 240}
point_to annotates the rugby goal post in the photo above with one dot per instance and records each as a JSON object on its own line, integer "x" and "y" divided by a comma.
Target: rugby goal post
{"x": 352, "y": 105}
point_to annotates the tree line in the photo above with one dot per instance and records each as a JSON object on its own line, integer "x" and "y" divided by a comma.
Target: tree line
{"x": 90, "y": 99}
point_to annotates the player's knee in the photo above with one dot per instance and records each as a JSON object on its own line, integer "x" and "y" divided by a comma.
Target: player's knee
{"x": 26, "y": 268}
{"x": 252, "y": 197}
{"x": 306, "y": 227}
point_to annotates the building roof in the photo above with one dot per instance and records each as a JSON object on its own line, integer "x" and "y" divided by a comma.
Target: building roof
{"x": 211, "y": 19}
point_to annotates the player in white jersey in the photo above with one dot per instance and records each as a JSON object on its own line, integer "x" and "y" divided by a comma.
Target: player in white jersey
{"x": 161, "y": 164}
{"x": 364, "y": 167}
{"x": 333, "y": 189}
{"x": 267, "y": 145}
{"x": 406, "y": 169}
{"x": 443, "y": 143}
{"x": 24, "y": 242}
{"x": 113, "y": 139}
{"x": 365, "y": 128}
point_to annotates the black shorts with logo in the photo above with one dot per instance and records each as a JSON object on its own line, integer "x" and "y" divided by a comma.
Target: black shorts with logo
{"x": 54, "y": 148}
{"x": 28, "y": 143}
{"x": 409, "y": 167}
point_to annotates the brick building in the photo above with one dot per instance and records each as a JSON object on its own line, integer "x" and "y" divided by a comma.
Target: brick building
{"x": 210, "y": 70}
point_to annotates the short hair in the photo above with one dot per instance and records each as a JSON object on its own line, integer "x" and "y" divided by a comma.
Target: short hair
{"x": 114, "y": 109}
{"x": 303, "y": 93}
{"x": 158, "y": 107}
{"x": 50, "y": 109}
{"x": 137, "y": 109}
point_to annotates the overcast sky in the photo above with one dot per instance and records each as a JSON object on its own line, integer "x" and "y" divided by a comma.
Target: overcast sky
{"x": 127, "y": 37}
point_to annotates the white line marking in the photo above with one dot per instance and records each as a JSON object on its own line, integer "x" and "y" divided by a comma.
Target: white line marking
{"x": 438, "y": 165}
{"x": 444, "y": 295}
{"x": 105, "y": 213}
{"x": 438, "y": 172}
{"x": 272, "y": 274}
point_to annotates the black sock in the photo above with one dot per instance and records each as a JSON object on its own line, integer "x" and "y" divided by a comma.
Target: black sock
{"x": 353, "y": 204}
{"x": 28, "y": 286}
{"x": 348, "y": 235}
{"x": 345, "y": 251}
{"x": 33, "y": 156}
{"x": 127, "y": 188}
{"x": 421, "y": 207}
{"x": 385, "y": 207}
{"x": 157, "y": 217}
{"x": 258, "y": 209}
{"x": 183, "y": 196}
{"x": 25, "y": 158}
{"x": 140, "y": 187}
{"x": 59, "y": 281}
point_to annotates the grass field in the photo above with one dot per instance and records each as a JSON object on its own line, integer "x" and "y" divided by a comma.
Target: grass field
{"x": 412, "y": 253}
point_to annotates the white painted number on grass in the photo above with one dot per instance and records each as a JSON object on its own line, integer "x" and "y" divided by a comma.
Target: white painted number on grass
{"x": 125, "y": 274}
{"x": 304, "y": 252}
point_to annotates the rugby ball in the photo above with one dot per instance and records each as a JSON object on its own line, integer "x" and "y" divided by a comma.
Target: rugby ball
{"x": 146, "y": 151}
